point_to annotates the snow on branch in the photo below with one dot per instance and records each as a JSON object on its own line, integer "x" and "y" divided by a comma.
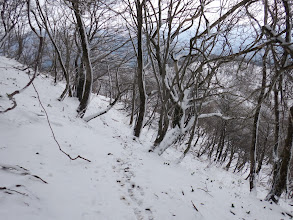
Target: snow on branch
{"x": 273, "y": 34}
{"x": 104, "y": 111}
{"x": 215, "y": 114}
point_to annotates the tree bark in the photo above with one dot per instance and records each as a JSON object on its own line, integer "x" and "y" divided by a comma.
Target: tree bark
{"x": 255, "y": 126}
{"x": 276, "y": 159}
{"x": 65, "y": 73}
{"x": 86, "y": 59}
{"x": 140, "y": 78}
{"x": 133, "y": 100}
{"x": 262, "y": 154}
{"x": 280, "y": 184}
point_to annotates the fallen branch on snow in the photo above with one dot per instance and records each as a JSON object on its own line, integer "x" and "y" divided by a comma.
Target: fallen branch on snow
{"x": 20, "y": 170}
{"x": 12, "y": 190}
{"x": 90, "y": 117}
{"x": 54, "y": 137}
{"x": 194, "y": 206}
{"x": 11, "y": 95}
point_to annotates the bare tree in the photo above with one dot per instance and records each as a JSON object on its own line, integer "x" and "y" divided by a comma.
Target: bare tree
{"x": 47, "y": 26}
{"x": 10, "y": 13}
{"x": 280, "y": 182}
{"x": 281, "y": 165}
{"x": 86, "y": 60}
{"x": 255, "y": 127}
{"x": 188, "y": 84}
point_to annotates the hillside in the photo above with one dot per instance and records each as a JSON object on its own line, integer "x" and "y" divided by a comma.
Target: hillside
{"x": 122, "y": 181}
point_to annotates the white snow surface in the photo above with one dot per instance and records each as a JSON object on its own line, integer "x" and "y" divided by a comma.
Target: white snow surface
{"x": 122, "y": 181}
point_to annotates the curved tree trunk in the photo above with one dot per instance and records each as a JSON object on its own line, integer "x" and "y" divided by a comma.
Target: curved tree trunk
{"x": 163, "y": 124}
{"x": 86, "y": 60}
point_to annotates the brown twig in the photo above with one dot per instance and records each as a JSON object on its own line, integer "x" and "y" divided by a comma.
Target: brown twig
{"x": 39, "y": 178}
{"x": 12, "y": 190}
{"x": 11, "y": 98}
{"x": 71, "y": 158}
{"x": 87, "y": 119}
{"x": 206, "y": 190}
{"x": 11, "y": 95}
{"x": 194, "y": 206}
{"x": 26, "y": 172}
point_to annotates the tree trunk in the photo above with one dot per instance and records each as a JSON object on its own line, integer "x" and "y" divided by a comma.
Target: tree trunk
{"x": 280, "y": 184}
{"x": 178, "y": 112}
{"x": 212, "y": 147}
{"x": 65, "y": 73}
{"x": 55, "y": 67}
{"x": 133, "y": 100}
{"x": 163, "y": 126}
{"x": 86, "y": 59}
{"x": 140, "y": 78}
{"x": 276, "y": 158}
{"x": 262, "y": 154}
{"x": 81, "y": 82}
{"x": 231, "y": 157}
{"x": 20, "y": 45}
{"x": 255, "y": 125}
{"x": 221, "y": 143}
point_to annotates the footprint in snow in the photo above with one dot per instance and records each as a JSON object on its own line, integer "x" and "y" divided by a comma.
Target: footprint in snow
{"x": 135, "y": 193}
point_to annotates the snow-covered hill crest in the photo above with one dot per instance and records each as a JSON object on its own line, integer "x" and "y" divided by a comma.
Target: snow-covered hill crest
{"x": 122, "y": 181}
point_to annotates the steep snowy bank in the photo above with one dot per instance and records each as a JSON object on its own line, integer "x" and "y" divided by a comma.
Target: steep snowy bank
{"x": 122, "y": 181}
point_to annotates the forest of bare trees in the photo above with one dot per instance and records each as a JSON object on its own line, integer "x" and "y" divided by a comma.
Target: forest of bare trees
{"x": 211, "y": 78}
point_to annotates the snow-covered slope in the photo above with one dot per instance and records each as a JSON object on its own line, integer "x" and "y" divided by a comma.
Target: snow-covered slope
{"x": 122, "y": 181}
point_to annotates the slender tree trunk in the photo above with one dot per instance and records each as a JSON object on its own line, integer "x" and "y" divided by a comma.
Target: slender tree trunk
{"x": 276, "y": 158}
{"x": 55, "y": 67}
{"x": 140, "y": 77}
{"x": 164, "y": 119}
{"x": 133, "y": 100}
{"x": 178, "y": 112}
{"x": 86, "y": 59}
{"x": 253, "y": 147}
{"x": 67, "y": 64}
{"x": 163, "y": 126}
{"x": 212, "y": 147}
{"x": 65, "y": 73}
{"x": 79, "y": 77}
{"x": 225, "y": 154}
{"x": 20, "y": 45}
{"x": 221, "y": 142}
{"x": 255, "y": 126}
{"x": 262, "y": 154}
{"x": 261, "y": 158}
{"x": 81, "y": 82}
{"x": 231, "y": 157}
{"x": 189, "y": 144}
{"x": 110, "y": 84}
